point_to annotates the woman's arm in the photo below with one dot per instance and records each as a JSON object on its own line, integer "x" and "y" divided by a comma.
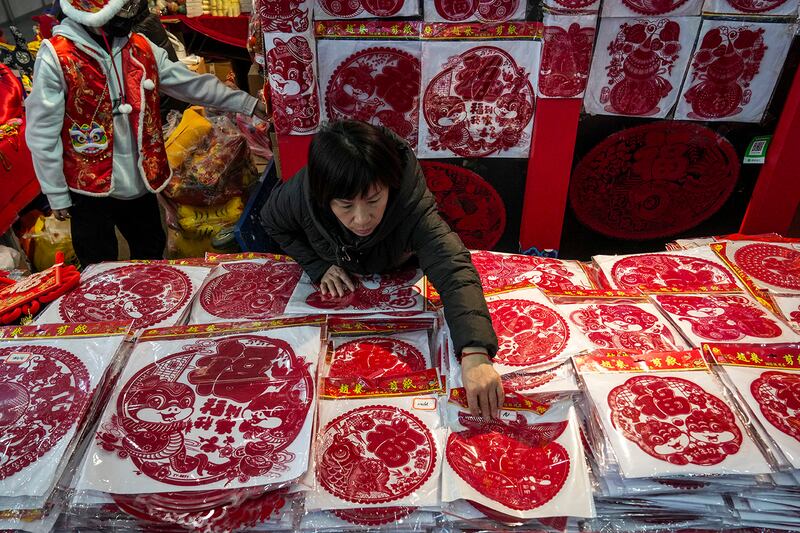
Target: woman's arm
{"x": 448, "y": 265}
{"x": 279, "y": 217}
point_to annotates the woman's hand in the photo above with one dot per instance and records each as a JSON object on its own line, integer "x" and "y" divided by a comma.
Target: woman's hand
{"x": 482, "y": 383}
{"x": 336, "y": 282}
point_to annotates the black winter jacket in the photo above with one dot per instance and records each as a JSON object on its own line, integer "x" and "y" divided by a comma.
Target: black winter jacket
{"x": 410, "y": 225}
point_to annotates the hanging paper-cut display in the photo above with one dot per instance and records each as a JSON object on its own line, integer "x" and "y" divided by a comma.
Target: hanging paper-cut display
{"x": 292, "y": 68}
{"x": 396, "y": 291}
{"x": 468, "y": 203}
{"x": 488, "y": 11}
{"x": 201, "y": 413}
{"x": 752, "y": 7}
{"x": 284, "y": 16}
{"x": 566, "y": 55}
{"x": 724, "y": 318}
{"x": 246, "y": 290}
{"x": 639, "y": 64}
{"x": 651, "y": 8}
{"x": 147, "y": 294}
{"x": 734, "y": 70}
{"x": 477, "y": 98}
{"x": 633, "y": 184}
{"x": 624, "y": 326}
{"x": 374, "y": 81}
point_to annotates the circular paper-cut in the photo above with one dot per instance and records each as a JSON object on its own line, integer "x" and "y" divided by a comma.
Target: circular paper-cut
{"x": 145, "y": 294}
{"x": 778, "y": 396}
{"x": 210, "y": 510}
{"x": 375, "y": 454}
{"x": 756, "y": 6}
{"x": 721, "y": 317}
{"x": 516, "y": 465}
{"x": 43, "y": 392}
{"x": 468, "y": 203}
{"x": 653, "y": 181}
{"x": 374, "y": 516}
{"x": 244, "y": 398}
{"x": 341, "y": 8}
{"x": 250, "y": 290}
{"x": 479, "y": 104}
{"x": 378, "y": 85}
{"x": 529, "y": 333}
{"x": 674, "y": 420}
{"x": 678, "y": 272}
{"x": 375, "y": 357}
{"x": 776, "y": 265}
{"x": 653, "y": 7}
{"x": 623, "y": 326}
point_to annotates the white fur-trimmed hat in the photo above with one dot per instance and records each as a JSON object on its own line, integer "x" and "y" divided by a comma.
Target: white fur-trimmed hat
{"x": 92, "y": 13}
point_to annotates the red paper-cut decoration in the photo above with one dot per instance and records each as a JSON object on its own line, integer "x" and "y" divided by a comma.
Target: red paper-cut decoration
{"x": 653, "y": 7}
{"x": 500, "y": 271}
{"x": 250, "y": 290}
{"x": 479, "y": 105}
{"x": 623, "y": 326}
{"x": 245, "y": 402}
{"x": 294, "y": 86}
{"x": 146, "y": 294}
{"x": 374, "y": 357}
{"x": 374, "y": 516}
{"x": 722, "y": 317}
{"x": 373, "y": 292}
{"x": 352, "y": 8}
{"x": 375, "y": 454}
{"x": 674, "y": 420}
{"x": 654, "y": 180}
{"x": 208, "y": 510}
{"x": 525, "y": 382}
{"x": 43, "y": 392}
{"x": 776, "y": 265}
{"x": 778, "y": 396}
{"x": 641, "y": 53}
{"x": 726, "y": 61}
{"x": 529, "y": 333}
{"x": 755, "y": 6}
{"x": 284, "y": 16}
{"x": 490, "y": 11}
{"x": 678, "y": 272}
{"x": 378, "y": 85}
{"x": 515, "y": 464}
{"x": 468, "y": 203}
{"x": 572, "y": 5}
{"x": 566, "y": 58}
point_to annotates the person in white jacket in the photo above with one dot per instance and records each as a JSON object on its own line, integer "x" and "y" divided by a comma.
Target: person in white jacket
{"x": 94, "y": 128}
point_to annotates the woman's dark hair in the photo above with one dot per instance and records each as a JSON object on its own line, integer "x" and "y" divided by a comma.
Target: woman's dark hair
{"x": 348, "y": 157}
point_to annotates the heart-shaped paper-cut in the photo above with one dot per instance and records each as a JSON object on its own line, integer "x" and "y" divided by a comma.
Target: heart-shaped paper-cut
{"x": 521, "y": 469}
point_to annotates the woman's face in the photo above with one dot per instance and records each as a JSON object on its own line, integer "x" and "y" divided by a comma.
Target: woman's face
{"x": 362, "y": 214}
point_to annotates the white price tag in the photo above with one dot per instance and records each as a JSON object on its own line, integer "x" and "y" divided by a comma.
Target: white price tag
{"x": 17, "y": 358}
{"x": 424, "y": 404}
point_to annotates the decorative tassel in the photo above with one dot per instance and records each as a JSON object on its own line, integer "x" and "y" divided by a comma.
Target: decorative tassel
{"x": 125, "y": 109}
{"x": 148, "y": 85}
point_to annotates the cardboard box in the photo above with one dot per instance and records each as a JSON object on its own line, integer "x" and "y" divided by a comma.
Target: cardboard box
{"x": 220, "y": 69}
{"x": 255, "y": 82}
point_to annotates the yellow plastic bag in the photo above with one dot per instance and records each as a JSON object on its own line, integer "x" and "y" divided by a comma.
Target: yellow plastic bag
{"x": 207, "y": 221}
{"x": 48, "y": 236}
{"x": 191, "y": 131}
